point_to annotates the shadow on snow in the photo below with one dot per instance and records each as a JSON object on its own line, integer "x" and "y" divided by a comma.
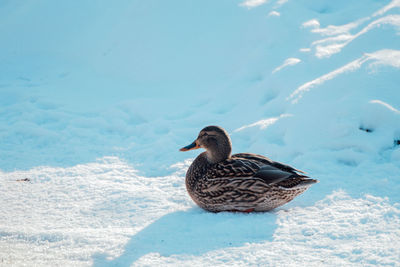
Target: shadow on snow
{"x": 194, "y": 232}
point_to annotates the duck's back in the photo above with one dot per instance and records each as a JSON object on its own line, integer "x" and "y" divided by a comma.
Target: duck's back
{"x": 256, "y": 166}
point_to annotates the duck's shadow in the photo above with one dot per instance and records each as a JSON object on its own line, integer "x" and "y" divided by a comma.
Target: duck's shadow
{"x": 194, "y": 232}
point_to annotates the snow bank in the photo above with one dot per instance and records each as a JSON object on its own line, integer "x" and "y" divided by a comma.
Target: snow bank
{"x": 310, "y": 83}
{"x": 379, "y": 58}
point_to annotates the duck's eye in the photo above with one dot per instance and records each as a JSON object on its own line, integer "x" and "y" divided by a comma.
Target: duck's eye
{"x": 202, "y": 135}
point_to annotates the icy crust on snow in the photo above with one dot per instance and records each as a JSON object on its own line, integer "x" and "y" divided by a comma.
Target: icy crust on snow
{"x": 106, "y": 214}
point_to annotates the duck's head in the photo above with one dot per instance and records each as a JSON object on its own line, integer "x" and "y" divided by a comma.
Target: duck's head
{"x": 215, "y": 140}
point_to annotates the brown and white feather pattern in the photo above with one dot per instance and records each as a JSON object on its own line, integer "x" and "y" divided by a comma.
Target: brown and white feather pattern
{"x": 242, "y": 182}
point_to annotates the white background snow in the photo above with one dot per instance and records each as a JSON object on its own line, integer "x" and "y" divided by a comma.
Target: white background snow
{"x": 96, "y": 98}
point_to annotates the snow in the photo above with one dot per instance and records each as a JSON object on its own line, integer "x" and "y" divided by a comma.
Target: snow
{"x": 313, "y": 23}
{"x": 381, "y": 57}
{"x": 288, "y": 62}
{"x": 262, "y": 124}
{"x": 340, "y": 36}
{"x": 386, "y": 8}
{"x": 305, "y": 50}
{"x": 386, "y": 105}
{"x": 141, "y": 222}
{"x": 274, "y": 14}
{"x": 253, "y": 3}
{"x": 97, "y": 98}
{"x": 281, "y": 2}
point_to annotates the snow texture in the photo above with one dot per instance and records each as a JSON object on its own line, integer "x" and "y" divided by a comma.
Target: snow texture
{"x": 96, "y": 98}
{"x": 288, "y": 62}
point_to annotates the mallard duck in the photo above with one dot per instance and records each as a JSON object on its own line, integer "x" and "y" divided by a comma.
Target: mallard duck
{"x": 218, "y": 181}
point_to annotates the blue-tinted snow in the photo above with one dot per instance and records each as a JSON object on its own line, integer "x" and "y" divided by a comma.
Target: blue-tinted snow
{"x": 104, "y": 94}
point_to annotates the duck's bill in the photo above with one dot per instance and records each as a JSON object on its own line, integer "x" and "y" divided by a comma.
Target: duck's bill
{"x": 192, "y": 146}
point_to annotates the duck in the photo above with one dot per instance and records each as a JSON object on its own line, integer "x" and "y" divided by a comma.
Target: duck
{"x": 218, "y": 181}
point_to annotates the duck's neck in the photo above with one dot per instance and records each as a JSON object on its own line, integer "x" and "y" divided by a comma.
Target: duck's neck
{"x": 219, "y": 153}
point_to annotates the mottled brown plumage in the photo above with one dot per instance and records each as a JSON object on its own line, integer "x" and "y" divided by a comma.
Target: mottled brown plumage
{"x": 218, "y": 181}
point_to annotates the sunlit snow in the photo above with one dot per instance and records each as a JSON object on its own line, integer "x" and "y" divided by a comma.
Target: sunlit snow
{"x": 97, "y": 97}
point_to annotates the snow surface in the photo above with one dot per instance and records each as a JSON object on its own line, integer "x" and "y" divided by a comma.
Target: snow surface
{"x": 96, "y": 98}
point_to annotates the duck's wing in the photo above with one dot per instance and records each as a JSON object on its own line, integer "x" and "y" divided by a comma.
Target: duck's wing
{"x": 245, "y": 181}
{"x": 267, "y": 161}
{"x": 272, "y": 175}
{"x": 251, "y": 166}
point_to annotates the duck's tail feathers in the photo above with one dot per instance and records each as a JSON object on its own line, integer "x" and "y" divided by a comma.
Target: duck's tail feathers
{"x": 297, "y": 182}
{"x": 306, "y": 183}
